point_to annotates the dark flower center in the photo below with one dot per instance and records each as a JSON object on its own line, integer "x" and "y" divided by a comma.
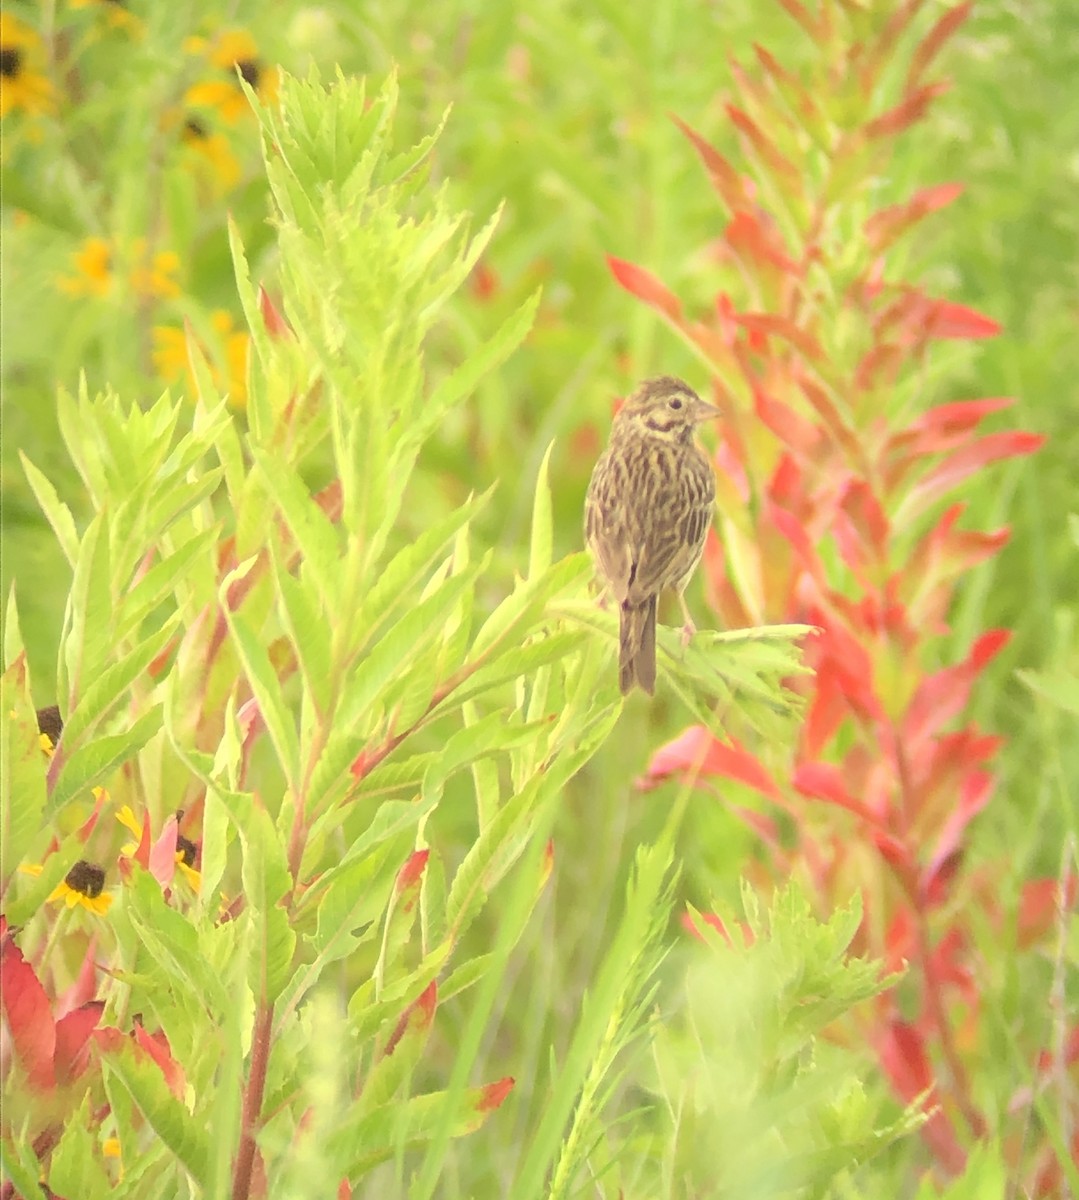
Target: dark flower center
{"x": 86, "y": 878}
{"x": 188, "y": 850}
{"x": 10, "y": 61}
{"x": 194, "y": 129}
{"x": 49, "y": 723}
{"x": 249, "y": 71}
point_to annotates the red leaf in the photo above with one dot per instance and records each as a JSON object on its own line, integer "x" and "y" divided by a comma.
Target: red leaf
{"x": 824, "y": 781}
{"x": 912, "y": 108}
{"x": 888, "y": 224}
{"x": 792, "y": 429}
{"x": 645, "y": 286}
{"x": 409, "y": 876}
{"x": 275, "y": 323}
{"x": 905, "y": 1061}
{"x": 949, "y": 320}
{"x": 943, "y": 695}
{"x": 903, "y": 1056}
{"x": 782, "y": 327}
{"x": 930, "y": 46}
{"x": 962, "y": 463}
{"x": 157, "y": 1046}
{"x": 417, "y": 1019}
{"x": 867, "y": 516}
{"x": 1040, "y": 908}
{"x": 800, "y": 14}
{"x": 754, "y": 242}
{"x": 29, "y": 1015}
{"x": 976, "y": 789}
{"x": 724, "y": 177}
{"x": 769, "y": 152}
{"x": 493, "y": 1094}
{"x": 73, "y": 1037}
{"x": 961, "y": 415}
{"x": 698, "y": 752}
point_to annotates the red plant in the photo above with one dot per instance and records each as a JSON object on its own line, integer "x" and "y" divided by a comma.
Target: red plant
{"x": 833, "y": 481}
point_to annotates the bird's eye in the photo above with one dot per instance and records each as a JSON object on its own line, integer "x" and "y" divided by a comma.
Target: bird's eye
{"x": 675, "y": 402}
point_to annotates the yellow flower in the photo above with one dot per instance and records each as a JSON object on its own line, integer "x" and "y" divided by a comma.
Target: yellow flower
{"x": 231, "y": 52}
{"x": 115, "y": 12}
{"x": 171, "y": 362}
{"x": 154, "y": 279}
{"x": 211, "y": 152}
{"x": 84, "y": 884}
{"x": 95, "y": 275}
{"x": 22, "y": 82}
{"x": 93, "y": 264}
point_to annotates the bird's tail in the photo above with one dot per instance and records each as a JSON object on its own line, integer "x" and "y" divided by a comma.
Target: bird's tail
{"x": 637, "y": 647}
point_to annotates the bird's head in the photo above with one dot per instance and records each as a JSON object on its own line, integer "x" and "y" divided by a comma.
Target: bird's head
{"x": 664, "y": 408}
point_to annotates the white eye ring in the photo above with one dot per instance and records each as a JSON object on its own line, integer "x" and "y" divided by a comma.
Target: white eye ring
{"x": 675, "y": 402}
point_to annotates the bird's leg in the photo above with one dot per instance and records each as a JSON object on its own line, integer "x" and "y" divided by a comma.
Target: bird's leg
{"x": 688, "y": 629}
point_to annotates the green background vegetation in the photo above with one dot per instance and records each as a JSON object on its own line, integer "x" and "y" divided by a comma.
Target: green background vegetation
{"x": 560, "y": 115}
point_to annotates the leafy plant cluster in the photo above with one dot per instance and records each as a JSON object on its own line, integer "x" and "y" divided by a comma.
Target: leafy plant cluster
{"x": 325, "y": 874}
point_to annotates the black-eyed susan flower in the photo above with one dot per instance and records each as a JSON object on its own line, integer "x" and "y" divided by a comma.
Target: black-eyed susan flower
{"x": 84, "y": 884}
{"x": 228, "y": 359}
{"x": 49, "y": 727}
{"x": 211, "y": 153}
{"x": 23, "y": 84}
{"x": 231, "y": 52}
{"x": 185, "y": 854}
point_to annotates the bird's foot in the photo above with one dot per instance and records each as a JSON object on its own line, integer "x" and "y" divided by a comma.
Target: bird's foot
{"x": 688, "y": 630}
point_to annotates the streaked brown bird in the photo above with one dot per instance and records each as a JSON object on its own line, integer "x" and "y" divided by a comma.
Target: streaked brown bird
{"x": 648, "y": 510}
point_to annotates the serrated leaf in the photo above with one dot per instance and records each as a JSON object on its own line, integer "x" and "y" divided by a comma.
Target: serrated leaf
{"x": 526, "y": 601}
{"x": 465, "y": 379}
{"x": 93, "y": 763}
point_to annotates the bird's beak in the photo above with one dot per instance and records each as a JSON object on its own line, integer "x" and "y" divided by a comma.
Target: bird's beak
{"x": 703, "y": 411}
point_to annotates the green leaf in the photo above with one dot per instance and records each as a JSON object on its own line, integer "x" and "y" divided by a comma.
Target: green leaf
{"x": 13, "y": 643}
{"x": 539, "y": 553}
{"x": 266, "y": 686}
{"x": 526, "y": 602}
{"x": 110, "y": 687}
{"x": 401, "y": 645}
{"x": 22, "y": 770}
{"x": 401, "y": 575}
{"x": 173, "y": 942}
{"x": 314, "y": 534}
{"x": 93, "y": 763}
{"x": 56, "y": 511}
{"x": 170, "y": 1121}
{"x": 160, "y": 582}
{"x": 88, "y": 621}
{"x": 465, "y": 379}
{"x": 266, "y": 879}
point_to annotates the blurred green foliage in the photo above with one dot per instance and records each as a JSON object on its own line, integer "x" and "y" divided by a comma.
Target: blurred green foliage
{"x": 562, "y": 117}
